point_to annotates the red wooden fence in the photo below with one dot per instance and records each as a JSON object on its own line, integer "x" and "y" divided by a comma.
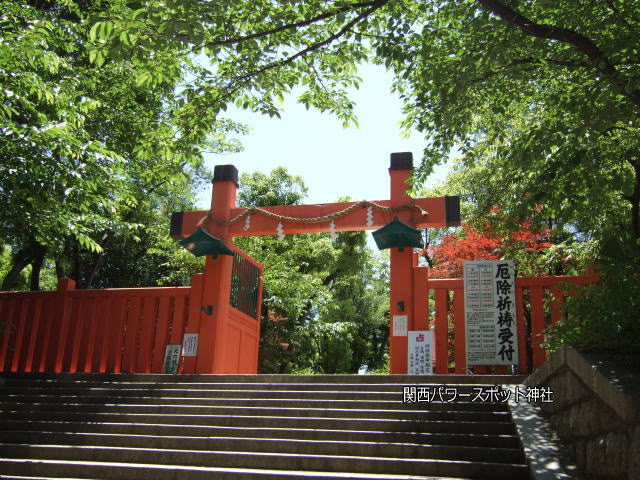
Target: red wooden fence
{"x": 111, "y": 330}
{"x": 540, "y": 297}
{"x": 127, "y": 329}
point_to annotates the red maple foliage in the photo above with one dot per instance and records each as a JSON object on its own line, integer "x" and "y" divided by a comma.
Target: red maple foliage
{"x": 449, "y": 256}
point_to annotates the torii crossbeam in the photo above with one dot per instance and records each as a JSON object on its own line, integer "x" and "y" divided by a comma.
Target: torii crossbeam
{"x": 224, "y": 221}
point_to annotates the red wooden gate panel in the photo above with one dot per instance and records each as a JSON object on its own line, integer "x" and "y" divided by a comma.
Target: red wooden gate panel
{"x": 243, "y": 320}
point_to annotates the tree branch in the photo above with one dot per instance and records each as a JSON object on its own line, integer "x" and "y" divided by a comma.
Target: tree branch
{"x": 316, "y": 46}
{"x": 529, "y": 61}
{"x": 243, "y": 80}
{"x": 617, "y": 11}
{"x": 108, "y": 236}
{"x": 290, "y": 26}
{"x": 578, "y": 41}
{"x": 380, "y": 37}
{"x": 634, "y": 199}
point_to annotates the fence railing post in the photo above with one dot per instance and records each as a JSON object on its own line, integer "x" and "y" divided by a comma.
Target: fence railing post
{"x": 7, "y": 307}
{"x": 420, "y": 298}
{"x": 441, "y": 330}
{"x": 459, "y": 328}
{"x": 193, "y": 325}
{"x": 523, "y": 367}
{"x": 65, "y": 285}
{"x": 537, "y": 325}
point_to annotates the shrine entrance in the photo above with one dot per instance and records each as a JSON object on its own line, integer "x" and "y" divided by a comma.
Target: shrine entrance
{"x": 213, "y": 325}
{"x": 228, "y": 342}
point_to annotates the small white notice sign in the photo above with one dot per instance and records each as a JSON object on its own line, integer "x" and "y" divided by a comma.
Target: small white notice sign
{"x": 420, "y": 353}
{"x": 400, "y": 325}
{"x": 171, "y": 359}
{"x": 190, "y": 345}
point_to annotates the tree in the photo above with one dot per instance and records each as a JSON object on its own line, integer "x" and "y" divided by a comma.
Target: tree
{"x": 540, "y": 243}
{"x": 549, "y": 90}
{"x": 524, "y": 246}
{"x": 83, "y": 149}
{"x": 324, "y": 304}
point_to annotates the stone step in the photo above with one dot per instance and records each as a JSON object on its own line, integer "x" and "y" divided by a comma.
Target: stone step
{"x": 36, "y": 469}
{"x": 507, "y": 441}
{"x": 270, "y": 445}
{"x": 21, "y": 477}
{"x": 121, "y": 426}
{"x": 211, "y": 393}
{"x": 288, "y": 379}
{"x": 318, "y": 412}
{"x": 13, "y": 399}
{"x": 398, "y": 388}
{"x": 282, "y": 393}
{"x": 278, "y": 461}
{"x": 248, "y": 421}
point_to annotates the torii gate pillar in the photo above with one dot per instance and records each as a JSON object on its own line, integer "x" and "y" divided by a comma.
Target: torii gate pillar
{"x": 401, "y": 269}
{"x": 217, "y": 274}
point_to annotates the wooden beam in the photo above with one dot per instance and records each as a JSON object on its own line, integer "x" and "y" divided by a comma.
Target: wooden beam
{"x": 441, "y": 212}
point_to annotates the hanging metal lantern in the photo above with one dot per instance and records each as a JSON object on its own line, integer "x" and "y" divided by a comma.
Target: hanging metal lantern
{"x": 202, "y": 243}
{"x": 397, "y": 235}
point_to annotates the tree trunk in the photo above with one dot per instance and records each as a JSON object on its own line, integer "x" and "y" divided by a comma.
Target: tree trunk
{"x": 28, "y": 254}
{"x": 94, "y": 268}
{"x": 20, "y": 262}
{"x": 75, "y": 266}
{"x": 36, "y": 265}
{"x": 59, "y": 269}
{"x": 635, "y": 202}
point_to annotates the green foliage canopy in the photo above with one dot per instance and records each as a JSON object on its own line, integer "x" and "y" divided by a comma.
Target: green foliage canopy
{"x": 86, "y": 153}
{"x": 547, "y": 93}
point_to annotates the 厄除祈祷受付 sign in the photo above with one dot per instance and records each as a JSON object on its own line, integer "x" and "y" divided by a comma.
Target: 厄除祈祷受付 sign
{"x": 490, "y": 312}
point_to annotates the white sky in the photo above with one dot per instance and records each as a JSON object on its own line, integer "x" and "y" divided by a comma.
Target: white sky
{"x": 332, "y": 161}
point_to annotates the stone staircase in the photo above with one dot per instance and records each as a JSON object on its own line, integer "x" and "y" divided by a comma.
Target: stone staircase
{"x": 274, "y": 427}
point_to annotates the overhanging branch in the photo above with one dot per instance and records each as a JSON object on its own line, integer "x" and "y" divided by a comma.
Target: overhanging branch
{"x": 316, "y": 46}
{"x": 531, "y": 61}
{"x": 292, "y": 26}
{"x": 242, "y": 81}
{"x": 578, "y": 41}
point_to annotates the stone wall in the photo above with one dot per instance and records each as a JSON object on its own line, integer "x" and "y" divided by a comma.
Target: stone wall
{"x": 595, "y": 410}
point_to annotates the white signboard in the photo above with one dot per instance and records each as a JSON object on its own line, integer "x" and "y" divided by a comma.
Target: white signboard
{"x": 400, "y": 325}
{"x": 190, "y": 345}
{"x": 490, "y": 311}
{"x": 171, "y": 359}
{"x": 420, "y": 353}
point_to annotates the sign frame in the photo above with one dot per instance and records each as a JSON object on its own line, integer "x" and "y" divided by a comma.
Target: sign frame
{"x": 491, "y": 331}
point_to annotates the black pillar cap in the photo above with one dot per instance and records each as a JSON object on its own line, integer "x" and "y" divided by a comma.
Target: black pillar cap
{"x": 452, "y": 211}
{"x": 225, "y": 173}
{"x": 176, "y": 225}
{"x": 401, "y": 161}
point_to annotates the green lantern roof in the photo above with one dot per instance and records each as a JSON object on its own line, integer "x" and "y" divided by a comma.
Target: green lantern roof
{"x": 397, "y": 235}
{"x": 202, "y": 243}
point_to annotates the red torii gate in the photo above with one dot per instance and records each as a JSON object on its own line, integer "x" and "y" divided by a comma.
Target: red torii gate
{"x": 223, "y": 221}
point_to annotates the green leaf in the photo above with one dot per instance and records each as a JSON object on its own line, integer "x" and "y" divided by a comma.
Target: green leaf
{"x": 124, "y": 38}
{"x": 93, "y": 33}
{"x": 100, "y": 58}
